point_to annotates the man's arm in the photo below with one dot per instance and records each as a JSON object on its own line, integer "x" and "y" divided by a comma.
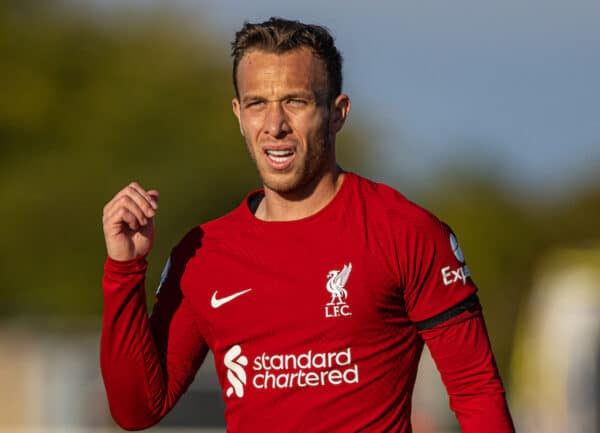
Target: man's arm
{"x": 441, "y": 301}
{"x": 147, "y": 363}
{"x": 460, "y": 347}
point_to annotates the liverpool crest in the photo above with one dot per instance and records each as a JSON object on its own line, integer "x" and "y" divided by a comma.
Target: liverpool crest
{"x": 336, "y": 286}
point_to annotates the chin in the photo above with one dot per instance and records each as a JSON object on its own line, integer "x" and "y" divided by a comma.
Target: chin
{"x": 296, "y": 180}
{"x": 281, "y": 186}
{"x": 294, "y": 183}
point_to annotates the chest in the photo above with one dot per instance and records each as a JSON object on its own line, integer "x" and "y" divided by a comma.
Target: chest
{"x": 279, "y": 292}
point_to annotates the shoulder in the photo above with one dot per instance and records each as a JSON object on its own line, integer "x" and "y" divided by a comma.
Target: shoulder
{"x": 386, "y": 204}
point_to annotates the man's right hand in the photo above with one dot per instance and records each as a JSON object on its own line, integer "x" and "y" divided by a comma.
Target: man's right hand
{"x": 128, "y": 222}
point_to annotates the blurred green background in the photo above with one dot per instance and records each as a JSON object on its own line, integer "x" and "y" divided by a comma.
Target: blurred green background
{"x": 88, "y": 105}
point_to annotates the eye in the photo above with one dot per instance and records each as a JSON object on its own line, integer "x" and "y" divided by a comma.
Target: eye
{"x": 296, "y": 102}
{"x": 255, "y": 104}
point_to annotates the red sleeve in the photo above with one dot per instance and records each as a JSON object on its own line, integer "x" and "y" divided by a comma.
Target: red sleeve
{"x": 147, "y": 363}
{"x": 461, "y": 350}
{"x": 434, "y": 273}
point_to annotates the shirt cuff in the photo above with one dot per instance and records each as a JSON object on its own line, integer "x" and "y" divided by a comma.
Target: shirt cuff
{"x": 134, "y": 266}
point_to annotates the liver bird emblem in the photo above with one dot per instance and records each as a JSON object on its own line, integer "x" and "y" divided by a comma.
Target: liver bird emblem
{"x": 335, "y": 285}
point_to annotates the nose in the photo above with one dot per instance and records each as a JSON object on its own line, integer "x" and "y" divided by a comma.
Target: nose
{"x": 276, "y": 121}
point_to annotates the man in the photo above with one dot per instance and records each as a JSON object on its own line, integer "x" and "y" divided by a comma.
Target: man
{"x": 315, "y": 295}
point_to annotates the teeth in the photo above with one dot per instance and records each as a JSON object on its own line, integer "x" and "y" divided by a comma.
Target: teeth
{"x": 278, "y": 158}
{"x": 279, "y": 153}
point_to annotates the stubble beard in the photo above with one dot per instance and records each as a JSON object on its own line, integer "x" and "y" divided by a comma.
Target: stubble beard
{"x": 297, "y": 179}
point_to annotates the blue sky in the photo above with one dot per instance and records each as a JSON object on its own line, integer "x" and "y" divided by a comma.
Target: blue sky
{"x": 511, "y": 86}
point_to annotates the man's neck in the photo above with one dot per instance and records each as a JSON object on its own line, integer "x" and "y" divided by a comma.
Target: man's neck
{"x": 283, "y": 207}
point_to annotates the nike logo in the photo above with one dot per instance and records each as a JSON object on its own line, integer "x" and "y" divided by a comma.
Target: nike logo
{"x": 216, "y": 303}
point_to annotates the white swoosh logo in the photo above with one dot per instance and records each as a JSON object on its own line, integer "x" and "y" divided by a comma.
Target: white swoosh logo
{"x": 216, "y": 303}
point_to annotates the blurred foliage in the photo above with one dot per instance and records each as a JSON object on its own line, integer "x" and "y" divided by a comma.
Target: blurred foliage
{"x": 89, "y": 103}
{"x": 504, "y": 238}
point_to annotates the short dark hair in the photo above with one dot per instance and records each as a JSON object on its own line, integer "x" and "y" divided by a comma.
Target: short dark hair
{"x": 278, "y": 35}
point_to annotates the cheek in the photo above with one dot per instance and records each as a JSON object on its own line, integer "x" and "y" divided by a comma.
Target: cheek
{"x": 318, "y": 131}
{"x": 250, "y": 148}
{"x": 255, "y": 121}
{"x": 310, "y": 127}
{"x": 252, "y": 125}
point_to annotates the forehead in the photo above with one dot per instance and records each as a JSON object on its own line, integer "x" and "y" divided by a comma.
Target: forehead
{"x": 262, "y": 71}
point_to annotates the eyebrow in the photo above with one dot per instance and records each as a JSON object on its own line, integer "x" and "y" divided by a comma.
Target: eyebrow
{"x": 252, "y": 98}
{"x": 291, "y": 95}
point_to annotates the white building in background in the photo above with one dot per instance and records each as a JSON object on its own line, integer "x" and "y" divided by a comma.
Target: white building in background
{"x": 50, "y": 382}
{"x": 556, "y": 363}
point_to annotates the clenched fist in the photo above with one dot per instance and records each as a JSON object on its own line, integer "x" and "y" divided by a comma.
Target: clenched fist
{"x": 128, "y": 222}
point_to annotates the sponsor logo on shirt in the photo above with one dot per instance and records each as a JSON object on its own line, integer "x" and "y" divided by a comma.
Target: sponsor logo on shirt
{"x": 236, "y": 375}
{"x": 218, "y": 302}
{"x": 337, "y": 306}
{"x": 285, "y": 371}
{"x": 450, "y": 275}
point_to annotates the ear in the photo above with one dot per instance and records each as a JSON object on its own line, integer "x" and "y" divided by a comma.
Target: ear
{"x": 235, "y": 105}
{"x": 340, "y": 109}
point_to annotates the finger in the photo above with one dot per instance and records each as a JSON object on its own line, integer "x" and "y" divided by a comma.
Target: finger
{"x": 109, "y": 207}
{"x": 140, "y": 200}
{"x": 142, "y": 192}
{"x": 130, "y": 219}
{"x": 132, "y": 190}
{"x": 126, "y": 203}
{"x": 121, "y": 217}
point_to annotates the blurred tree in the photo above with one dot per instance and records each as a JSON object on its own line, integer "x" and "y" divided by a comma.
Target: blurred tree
{"x": 90, "y": 103}
{"x": 503, "y": 237}
{"x": 92, "y": 100}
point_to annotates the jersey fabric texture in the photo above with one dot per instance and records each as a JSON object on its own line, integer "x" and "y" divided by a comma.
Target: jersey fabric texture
{"x": 312, "y": 322}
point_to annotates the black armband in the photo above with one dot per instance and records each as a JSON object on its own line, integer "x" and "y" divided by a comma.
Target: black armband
{"x": 469, "y": 304}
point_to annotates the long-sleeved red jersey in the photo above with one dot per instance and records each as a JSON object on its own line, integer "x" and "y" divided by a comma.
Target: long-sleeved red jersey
{"x": 316, "y": 325}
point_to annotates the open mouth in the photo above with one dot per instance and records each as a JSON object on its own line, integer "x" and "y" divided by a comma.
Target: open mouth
{"x": 279, "y": 156}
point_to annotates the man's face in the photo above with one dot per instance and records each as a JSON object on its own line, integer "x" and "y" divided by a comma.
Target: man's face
{"x": 286, "y": 117}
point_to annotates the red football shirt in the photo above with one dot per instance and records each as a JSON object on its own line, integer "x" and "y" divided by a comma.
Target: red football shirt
{"x": 311, "y": 322}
